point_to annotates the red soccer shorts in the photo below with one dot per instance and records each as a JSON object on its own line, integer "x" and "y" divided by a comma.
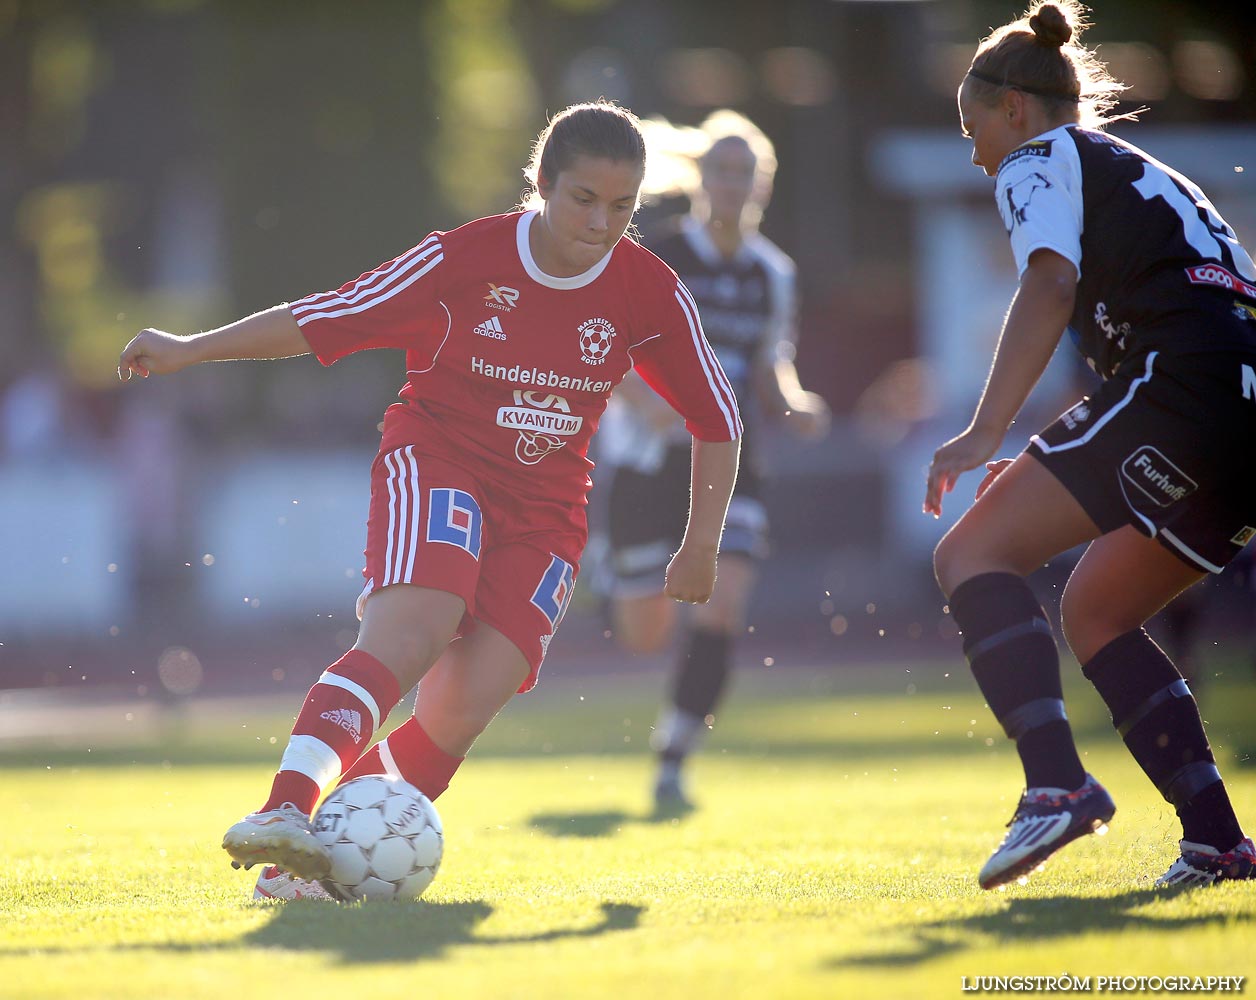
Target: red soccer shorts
{"x": 513, "y": 562}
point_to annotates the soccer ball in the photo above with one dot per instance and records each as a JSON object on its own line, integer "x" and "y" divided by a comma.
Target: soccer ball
{"x": 384, "y": 836}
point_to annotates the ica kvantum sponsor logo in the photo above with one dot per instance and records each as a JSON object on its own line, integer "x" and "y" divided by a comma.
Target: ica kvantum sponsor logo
{"x": 542, "y": 420}
{"x": 595, "y": 340}
{"x": 501, "y": 297}
{"x": 1156, "y": 477}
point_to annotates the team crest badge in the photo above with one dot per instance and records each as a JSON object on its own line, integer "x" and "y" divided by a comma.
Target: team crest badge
{"x": 595, "y": 340}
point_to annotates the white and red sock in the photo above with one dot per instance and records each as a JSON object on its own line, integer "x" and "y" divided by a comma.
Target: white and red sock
{"x": 409, "y": 753}
{"x": 343, "y": 710}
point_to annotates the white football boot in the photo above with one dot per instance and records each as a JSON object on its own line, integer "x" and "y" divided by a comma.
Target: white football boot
{"x": 275, "y": 883}
{"x": 281, "y": 836}
{"x": 1200, "y": 864}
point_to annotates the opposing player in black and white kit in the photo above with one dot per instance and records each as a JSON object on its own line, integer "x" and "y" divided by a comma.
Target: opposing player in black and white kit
{"x": 745, "y": 289}
{"x": 1133, "y": 260}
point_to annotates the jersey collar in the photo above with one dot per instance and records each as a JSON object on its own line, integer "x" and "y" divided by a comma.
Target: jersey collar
{"x": 548, "y": 280}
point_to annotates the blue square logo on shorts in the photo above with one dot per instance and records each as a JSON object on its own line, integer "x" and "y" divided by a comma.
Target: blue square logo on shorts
{"x": 1157, "y": 478}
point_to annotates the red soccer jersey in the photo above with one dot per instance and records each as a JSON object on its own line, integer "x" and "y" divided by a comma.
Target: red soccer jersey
{"x": 509, "y": 369}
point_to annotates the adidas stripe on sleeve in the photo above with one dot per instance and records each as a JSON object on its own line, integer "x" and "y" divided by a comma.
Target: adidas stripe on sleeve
{"x": 396, "y": 305}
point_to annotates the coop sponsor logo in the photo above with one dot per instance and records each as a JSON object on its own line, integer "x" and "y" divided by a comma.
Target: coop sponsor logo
{"x": 501, "y": 297}
{"x": 347, "y": 719}
{"x": 538, "y": 376}
{"x": 1156, "y": 477}
{"x": 1215, "y": 274}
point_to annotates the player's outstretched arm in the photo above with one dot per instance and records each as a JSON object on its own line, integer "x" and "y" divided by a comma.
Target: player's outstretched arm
{"x": 1040, "y": 312}
{"x": 272, "y": 333}
{"x": 691, "y": 573}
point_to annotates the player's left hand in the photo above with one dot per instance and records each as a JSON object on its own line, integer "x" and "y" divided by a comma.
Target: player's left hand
{"x": 957, "y": 456}
{"x": 993, "y": 471}
{"x": 691, "y": 575}
{"x": 808, "y": 416}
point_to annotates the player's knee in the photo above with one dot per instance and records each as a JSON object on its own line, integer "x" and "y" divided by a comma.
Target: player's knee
{"x": 407, "y": 650}
{"x": 643, "y": 628}
{"x": 1087, "y": 623}
{"x": 946, "y": 564}
{"x": 644, "y": 639}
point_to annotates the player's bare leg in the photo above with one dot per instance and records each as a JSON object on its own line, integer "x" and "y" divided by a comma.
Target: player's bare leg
{"x": 404, "y": 630}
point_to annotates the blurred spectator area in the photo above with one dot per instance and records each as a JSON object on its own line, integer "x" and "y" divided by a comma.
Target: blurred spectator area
{"x": 179, "y": 163}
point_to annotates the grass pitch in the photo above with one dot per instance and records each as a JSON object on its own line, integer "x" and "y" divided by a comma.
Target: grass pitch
{"x": 843, "y": 818}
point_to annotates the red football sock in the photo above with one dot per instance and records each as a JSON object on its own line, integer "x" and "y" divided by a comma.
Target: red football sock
{"x": 341, "y": 713}
{"x": 409, "y": 753}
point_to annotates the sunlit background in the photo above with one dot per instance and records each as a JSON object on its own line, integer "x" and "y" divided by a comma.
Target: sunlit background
{"x": 179, "y": 163}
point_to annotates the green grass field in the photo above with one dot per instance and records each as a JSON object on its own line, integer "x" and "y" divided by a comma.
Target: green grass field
{"x": 844, "y": 816}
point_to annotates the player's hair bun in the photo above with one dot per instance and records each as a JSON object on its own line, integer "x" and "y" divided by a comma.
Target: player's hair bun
{"x": 1050, "y": 26}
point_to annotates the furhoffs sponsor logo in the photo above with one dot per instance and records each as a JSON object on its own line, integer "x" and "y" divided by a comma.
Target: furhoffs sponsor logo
{"x": 1156, "y": 477}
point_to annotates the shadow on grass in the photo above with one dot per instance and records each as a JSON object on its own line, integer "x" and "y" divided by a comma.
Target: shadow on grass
{"x": 374, "y": 932}
{"x": 1038, "y": 920}
{"x": 411, "y": 931}
{"x": 605, "y": 822}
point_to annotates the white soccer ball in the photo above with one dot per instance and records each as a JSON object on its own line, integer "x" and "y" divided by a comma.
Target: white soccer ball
{"x": 384, "y": 836}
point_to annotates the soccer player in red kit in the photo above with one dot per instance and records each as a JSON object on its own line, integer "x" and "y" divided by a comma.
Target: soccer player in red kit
{"x": 516, "y": 329}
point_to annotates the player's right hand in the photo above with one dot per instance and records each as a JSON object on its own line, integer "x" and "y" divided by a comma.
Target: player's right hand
{"x": 155, "y": 352}
{"x": 967, "y": 451}
{"x": 690, "y": 576}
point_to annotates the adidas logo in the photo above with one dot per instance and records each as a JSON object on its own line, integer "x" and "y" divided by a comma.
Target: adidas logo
{"x": 491, "y": 328}
{"x": 347, "y": 719}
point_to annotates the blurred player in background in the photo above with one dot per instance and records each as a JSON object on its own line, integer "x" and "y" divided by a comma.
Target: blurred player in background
{"x": 744, "y": 286}
{"x": 1160, "y": 297}
{"x": 516, "y": 328}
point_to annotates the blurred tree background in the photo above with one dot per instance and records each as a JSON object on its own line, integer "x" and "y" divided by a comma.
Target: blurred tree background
{"x": 179, "y": 162}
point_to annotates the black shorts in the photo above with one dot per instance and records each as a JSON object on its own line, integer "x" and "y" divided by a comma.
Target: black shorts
{"x": 1167, "y": 445}
{"x": 646, "y": 515}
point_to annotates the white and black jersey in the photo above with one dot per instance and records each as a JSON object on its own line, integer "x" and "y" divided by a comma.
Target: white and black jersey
{"x": 747, "y": 302}
{"x": 1166, "y": 313}
{"x": 748, "y": 306}
{"x": 1158, "y": 267}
